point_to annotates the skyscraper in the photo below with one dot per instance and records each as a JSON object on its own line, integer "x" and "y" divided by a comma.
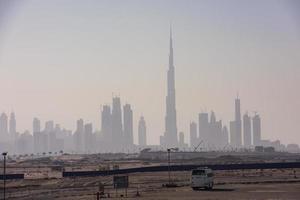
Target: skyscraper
{"x": 12, "y": 126}
{"x": 142, "y": 132}
{"x": 247, "y": 130}
{"x": 225, "y": 137}
{"x": 203, "y": 128}
{"x": 49, "y": 126}
{"x": 36, "y": 125}
{"x": 3, "y": 127}
{"x": 170, "y": 136}
{"x": 78, "y": 136}
{"x": 37, "y": 136}
{"x": 214, "y": 132}
{"x": 117, "y": 135}
{"x": 88, "y": 138}
{"x": 128, "y": 125}
{"x": 232, "y": 131}
{"x": 181, "y": 143}
{"x": 256, "y": 123}
{"x": 238, "y": 123}
{"x": 193, "y": 135}
{"x": 106, "y": 124}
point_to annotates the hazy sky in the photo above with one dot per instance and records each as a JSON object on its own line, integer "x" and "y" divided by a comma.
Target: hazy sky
{"x": 63, "y": 59}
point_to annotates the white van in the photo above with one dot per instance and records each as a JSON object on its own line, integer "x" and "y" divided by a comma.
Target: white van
{"x": 202, "y": 178}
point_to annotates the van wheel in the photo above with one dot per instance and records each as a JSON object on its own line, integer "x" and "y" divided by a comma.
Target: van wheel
{"x": 210, "y": 187}
{"x": 195, "y": 188}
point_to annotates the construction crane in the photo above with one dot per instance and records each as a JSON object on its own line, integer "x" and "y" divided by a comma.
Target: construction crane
{"x": 198, "y": 145}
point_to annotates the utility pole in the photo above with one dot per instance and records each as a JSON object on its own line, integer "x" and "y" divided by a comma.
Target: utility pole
{"x": 4, "y": 173}
{"x": 169, "y": 160}
{"x": 169, "y": 163}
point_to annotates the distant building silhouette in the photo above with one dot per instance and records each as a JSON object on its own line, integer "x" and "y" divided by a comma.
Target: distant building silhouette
{"x": 238, "y": 123}
{"x": 51, "y": 135}
{"x": 181, "y": 143}
{"x": 4, "y": 127}
{"x": 256, "y": 123}
{"x": 13, "y": 126}
{"x": 203, "y": 128}
{"x": 193, "y": 135}
{"x": 78, "y": 136}
{"x": 224, "y": 138}
{"x": 142, "y": 132}
{"x": 88, "y": 138}
{"x": 128, "y": 125}
{"x": 36, "y": 125}
{"x": 49, "y": 126}
{"x": 232, "y": 130}
{"x": 170, "y": 135}
{"x": 40, "y": 138}
{"x": 37, "y": 136}
{"x": 25, "y": 143}
{"x": 214, "y": 132}
{"x": 106, "y": 127}
{"x": 247, "y": 130}
{"x": 117, "y": 130}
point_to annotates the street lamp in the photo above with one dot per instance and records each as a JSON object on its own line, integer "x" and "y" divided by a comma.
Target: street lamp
{"x": 4, "y": 173}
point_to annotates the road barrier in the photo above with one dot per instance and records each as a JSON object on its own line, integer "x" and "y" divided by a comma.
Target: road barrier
{"x": 280, "y": 165}
{"x": 12, "y": 176}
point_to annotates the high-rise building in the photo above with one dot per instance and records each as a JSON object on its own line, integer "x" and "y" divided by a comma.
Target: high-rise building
{"x": 78, "y": 136}
{"x": 37, "y": 142}
{"x": 233, "y": 137}
{"x": 225, "y": 137}
{"x": 193, "y": 135}
{"x": 170, "y": 135}
{"x": 247, "y": 130}
{"x": 128, "y": 125}
{"x": 88, "y": 137}
{"x": 25, "y": 143}
{"x": 204, "y": 128}
{"x": 106, "y": 124}
{"x": 238, "y": 123}
{"x": 214, "y": 132}
{"x": 50, "y": 134}
{"x": 3, "y": 127}
{"x": 117, "y": 133}
{"x": 37, "y": 136}
{"x": 212, "y": 117}
{"x": 181, "y": 140}
{"x": 40, "y": 142}
{"x": 36, "y": 125}
{"x": 142, "y": 132}
{"x": 49, "y": 126}
{"x": 256, "y": 123}
{"x": 59, "y": 141}
{"x": 12, "y": 125}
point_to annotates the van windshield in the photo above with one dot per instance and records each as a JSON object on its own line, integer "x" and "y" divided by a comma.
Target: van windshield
{"x": 198, "y": 172}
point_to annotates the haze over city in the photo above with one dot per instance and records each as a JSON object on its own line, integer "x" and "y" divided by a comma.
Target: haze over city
{"x": 62, "y": 62}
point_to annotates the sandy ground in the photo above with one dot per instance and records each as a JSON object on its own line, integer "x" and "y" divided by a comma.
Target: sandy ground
{"x": 44, "y": 181}
{"x": 231, "y": 192}
{"x": 231, "y": 185}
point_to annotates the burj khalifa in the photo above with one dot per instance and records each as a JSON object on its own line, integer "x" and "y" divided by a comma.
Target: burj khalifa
{"x": 170, "y": 135}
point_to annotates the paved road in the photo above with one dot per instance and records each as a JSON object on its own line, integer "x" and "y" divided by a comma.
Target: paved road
{"x": 287, "y": 191}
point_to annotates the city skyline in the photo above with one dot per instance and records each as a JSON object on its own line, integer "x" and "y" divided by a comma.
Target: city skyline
{"x": 116, "y": 134}
{"x": 69, "y": 87}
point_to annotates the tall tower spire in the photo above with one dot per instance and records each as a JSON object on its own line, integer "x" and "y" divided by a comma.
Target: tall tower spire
{"x": 170, "y": 136}
{"x": 171, "y": 49}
